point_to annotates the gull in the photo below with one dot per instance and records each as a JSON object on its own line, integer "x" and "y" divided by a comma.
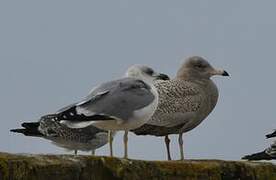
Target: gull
{"x": 89, "y": 138}
{"x": 184, "y": 102}
{"x": 268, "y": 154}
{"x": 121, "y": 104}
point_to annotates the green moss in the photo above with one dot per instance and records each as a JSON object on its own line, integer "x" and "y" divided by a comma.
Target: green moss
{"x": 264, "y": 172}
{"x": 4, "y": 169}
{"x": 190, "y": 170}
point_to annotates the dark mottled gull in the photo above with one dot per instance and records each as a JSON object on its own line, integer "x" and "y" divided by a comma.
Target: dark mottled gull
{"x": 84, "y": 139}
{"x": 184, "y": 102}
{"x": 268, "y": 154}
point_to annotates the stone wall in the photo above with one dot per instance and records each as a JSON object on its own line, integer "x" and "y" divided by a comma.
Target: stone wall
{"x": 65, "y": 167}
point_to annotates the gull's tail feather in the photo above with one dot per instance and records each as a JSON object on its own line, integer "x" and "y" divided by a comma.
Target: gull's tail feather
{"x": 271, "y": 135}
{"x": 30, "y": 129}
{"x": 30, "y": 125}
{"x": 258, "y": 156}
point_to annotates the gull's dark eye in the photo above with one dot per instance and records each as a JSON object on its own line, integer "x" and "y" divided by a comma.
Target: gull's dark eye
{"x": 200, "y": 66}
{"x": 149, "y": 71}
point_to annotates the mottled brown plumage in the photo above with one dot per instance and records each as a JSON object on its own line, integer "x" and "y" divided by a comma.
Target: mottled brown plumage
{"x": 84, "y": 139}
{"x": 182, "y": 106}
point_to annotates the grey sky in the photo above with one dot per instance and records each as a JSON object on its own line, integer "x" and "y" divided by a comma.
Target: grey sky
{"x": 53, "y": 52}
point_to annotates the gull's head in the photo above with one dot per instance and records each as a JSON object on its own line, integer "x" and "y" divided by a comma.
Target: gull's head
{"x": 145, "y": 73}
{"x": 196, "y": 67}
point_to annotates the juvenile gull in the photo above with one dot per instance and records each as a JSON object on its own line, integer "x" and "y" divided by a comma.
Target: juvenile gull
{"x": 268, "y": 154}
{"x": 84, "y": 139}
{"x": 122, "y": 104}
{"x": 184, "y": 102}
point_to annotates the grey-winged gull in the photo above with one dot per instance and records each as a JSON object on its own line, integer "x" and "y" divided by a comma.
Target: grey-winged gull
{"x": 268, "y": 154}
{"x": 184, "y": 102}
{"x": 122, "y": 104}
{"x": 89, "y": 138}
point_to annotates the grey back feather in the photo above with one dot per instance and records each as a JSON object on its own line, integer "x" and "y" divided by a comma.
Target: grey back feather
{"x": 120, "y": 98}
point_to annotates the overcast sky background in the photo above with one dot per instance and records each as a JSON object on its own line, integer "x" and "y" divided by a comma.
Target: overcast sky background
{"x": 53, "y": 52}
